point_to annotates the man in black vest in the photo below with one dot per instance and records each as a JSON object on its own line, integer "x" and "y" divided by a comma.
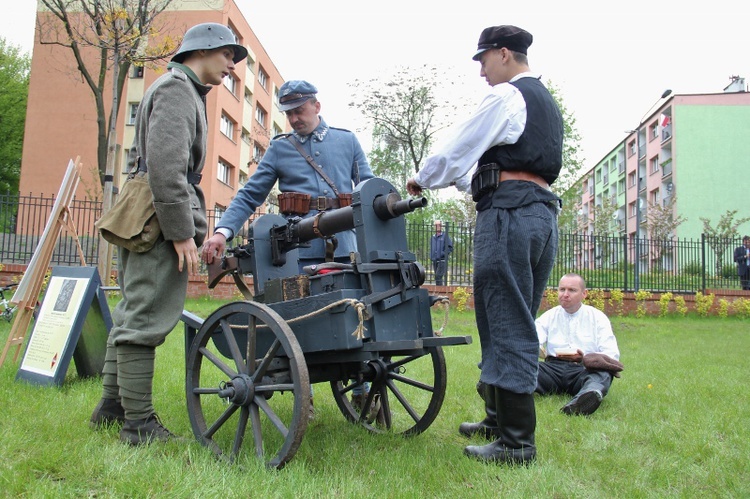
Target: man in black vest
{"x": 515, "y": 138}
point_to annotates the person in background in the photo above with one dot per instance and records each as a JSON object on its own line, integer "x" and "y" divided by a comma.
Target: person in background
{"x": 441, "y": 247}
{"x": 580, "y": 350}
{"x": 171, "y": 131}
{"x": 515, "y": 138}
{"x": 742, "y": 259}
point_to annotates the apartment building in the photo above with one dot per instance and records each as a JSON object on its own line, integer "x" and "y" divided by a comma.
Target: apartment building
{"x": 692, "y": 149}
{"x": 61, "y": 116}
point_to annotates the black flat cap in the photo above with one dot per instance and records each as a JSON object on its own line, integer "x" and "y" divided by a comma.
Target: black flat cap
{"x": 511, "y": 37}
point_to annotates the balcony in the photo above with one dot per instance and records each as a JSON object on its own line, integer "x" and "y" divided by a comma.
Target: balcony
{"x": 666, "y": 133}
{"x": 666, "y": 168}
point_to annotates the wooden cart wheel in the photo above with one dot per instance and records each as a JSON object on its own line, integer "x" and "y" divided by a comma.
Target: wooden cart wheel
{"x": 226, "y": 391}
{"x": 410, "y": 390}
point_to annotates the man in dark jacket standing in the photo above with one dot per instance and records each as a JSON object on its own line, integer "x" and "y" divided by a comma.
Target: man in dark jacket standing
{"x": 515, "y": 139}
{"x": 441, "y": 248}
{"x": 742, "y": 259}
{"x": 170, "y": 147}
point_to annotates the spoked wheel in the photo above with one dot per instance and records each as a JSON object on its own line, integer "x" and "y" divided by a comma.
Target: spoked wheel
{"x": 409, "y": 389}
{"x": 251, "y": 379}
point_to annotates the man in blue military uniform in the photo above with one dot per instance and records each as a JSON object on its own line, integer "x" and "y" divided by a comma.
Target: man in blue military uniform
{"x": 316, "y": 163}
{"x": 336, "y": 153}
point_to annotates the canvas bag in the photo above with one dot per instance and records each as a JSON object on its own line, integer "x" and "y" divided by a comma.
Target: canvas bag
{"x": 132, "y": 223}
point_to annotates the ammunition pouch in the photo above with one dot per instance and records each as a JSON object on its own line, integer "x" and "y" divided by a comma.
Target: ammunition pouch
{"x": 485, "y": 180}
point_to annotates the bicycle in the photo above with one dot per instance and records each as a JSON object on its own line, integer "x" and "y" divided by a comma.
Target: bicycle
{"x": 7, "y": 310}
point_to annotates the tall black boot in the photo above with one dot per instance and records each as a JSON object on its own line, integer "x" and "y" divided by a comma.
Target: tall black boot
{"x": 517, "y": 420}
{"x": 488, "y": 427}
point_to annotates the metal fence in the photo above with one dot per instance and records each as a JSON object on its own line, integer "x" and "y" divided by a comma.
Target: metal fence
{"x": 606, "y": 262}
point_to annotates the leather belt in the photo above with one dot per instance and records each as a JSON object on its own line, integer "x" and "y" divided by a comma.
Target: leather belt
{"x": 322, "y": 203}
{"x": 519, "y": 175}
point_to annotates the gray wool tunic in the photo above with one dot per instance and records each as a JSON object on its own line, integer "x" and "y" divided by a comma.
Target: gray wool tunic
{"x": 171, "y": 135}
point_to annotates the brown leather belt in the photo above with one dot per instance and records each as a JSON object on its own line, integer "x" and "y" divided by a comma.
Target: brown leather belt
{"x": 519, "y": 175}
{"x": 322, "y": 203}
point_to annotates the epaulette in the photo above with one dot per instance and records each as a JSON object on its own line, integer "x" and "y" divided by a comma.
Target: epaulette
{"x": 342, "y": 129}
{"x": 281, "y": 136}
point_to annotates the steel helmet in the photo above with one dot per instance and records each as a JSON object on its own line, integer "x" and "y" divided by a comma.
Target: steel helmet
{"x": 209, "y": 36}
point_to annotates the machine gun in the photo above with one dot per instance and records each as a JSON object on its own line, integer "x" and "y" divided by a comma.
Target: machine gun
{"x": 367, "y": 321}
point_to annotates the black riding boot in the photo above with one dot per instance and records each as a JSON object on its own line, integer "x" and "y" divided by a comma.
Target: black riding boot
{"x": 487, "y": 428}
{"x": 517, "y": 421}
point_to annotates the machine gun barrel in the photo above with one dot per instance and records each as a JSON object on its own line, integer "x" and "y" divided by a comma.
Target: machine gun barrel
{"x": 328, "y": 223}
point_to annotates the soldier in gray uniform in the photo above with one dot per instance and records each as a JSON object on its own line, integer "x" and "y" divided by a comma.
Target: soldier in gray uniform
{"x": 170, "y": 145}
{"x": 515, "y": 139}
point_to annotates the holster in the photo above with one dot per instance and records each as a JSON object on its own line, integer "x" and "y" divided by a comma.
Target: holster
{"x": 485, "y": 180}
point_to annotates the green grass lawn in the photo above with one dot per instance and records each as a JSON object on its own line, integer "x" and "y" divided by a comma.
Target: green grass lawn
{"x": 677, "y": 424}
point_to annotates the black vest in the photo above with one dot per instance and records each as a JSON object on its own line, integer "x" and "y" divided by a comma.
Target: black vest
{"x": 539, "y": 149}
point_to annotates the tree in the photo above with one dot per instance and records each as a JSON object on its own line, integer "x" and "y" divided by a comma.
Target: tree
{"x": 104, "y": 35}
{"x": 405, "y": 115}
{"x": 603, "y": 214}
{"x": 662, "y": 226}
{"x": 112, "y": 34}
{"x": 14, "y": 92}
{"x": 722, "y": 237}
{"x": 568, "y": 185}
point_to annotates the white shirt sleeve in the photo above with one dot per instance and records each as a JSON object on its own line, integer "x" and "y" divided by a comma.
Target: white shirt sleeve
{"x": 500, "y": 119}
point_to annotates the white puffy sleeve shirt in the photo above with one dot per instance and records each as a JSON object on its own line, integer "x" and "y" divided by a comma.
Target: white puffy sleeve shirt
{"x": 499, "y": 120}
{"x": 588, "y": 329}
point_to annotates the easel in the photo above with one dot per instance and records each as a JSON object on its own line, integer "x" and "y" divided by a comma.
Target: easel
{"x": 28, "y": 290}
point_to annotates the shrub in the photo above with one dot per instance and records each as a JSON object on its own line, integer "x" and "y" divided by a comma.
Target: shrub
{"x": 692, "y": 268}
{"x": 640, "y": 299}
{"x": 616, "y": 299}
{"x": 741, "y": 307}
{"x": 680, "y": 305}
{"x": 595, "y": 298}
{"x": 703, "y": 303}
{"x": 729, "y": 271}
{"x": 461, "y": 295}
{"x": 551, "y": 296}
{"x": 664, "y": 300}
{"x": 723, "y": 308}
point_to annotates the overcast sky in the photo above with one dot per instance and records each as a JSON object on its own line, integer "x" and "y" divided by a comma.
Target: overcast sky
{"x": 610, "y": 60}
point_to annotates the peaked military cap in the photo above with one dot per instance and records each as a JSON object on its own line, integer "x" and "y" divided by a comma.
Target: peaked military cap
{"x": 294, "y": 93}
{"x": 511, "y": 37}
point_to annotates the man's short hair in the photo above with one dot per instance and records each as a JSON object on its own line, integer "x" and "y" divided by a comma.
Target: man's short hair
{"x": 573, "y": 274}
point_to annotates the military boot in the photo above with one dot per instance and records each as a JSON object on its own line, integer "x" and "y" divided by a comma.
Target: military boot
{"x": 487, "y": 428}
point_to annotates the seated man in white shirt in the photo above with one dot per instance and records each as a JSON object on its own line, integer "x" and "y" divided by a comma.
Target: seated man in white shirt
{"x": 579, "y": 349}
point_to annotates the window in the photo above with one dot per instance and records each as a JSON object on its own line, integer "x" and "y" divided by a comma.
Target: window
{"x": 132, "y": 112}
{"x": 631, "y": 148}
{"x": 218, "y": 213}
{"x": 227, "y": 126}
{"x": 230, "y": 82}
{"x": 655, "y": 197}
{"x": 653, "y": 131}
{"x": 277, "y": 130}
{"x": 250, "y": 62}
{"x": 631, "y": 179}
{"x": 245, "y": 136}
{"x": 248, "y": 96}
{"x": 243, "y": 178}
{"x": 631, "y": 209}
{"x": 260, "y": 116}
{"x": 136, "y": 71}
{"x": 258, "y": 153}
{"x": 224, "y": 172}
{"x": 654, "y": 164}
{"x": 262, "y": 78}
